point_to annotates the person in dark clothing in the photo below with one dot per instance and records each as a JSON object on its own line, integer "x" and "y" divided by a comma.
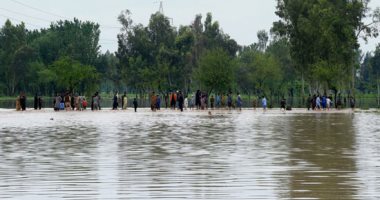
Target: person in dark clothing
{"x": 180, "y": 101}
{"x": 309, "y": 102}
{"x": 229, "y": 101}
{"x": 283, "y": 104}
{"x": 198, "y": 99}
{"x": 72, "y": 101}
{"x": 135, "y": 104}
{"x": 173, "y": 100}
{"x": 352, "y": 102}
{"x": 314, "y": 102}
{"x": 115, "y": 103}
{"x": 92, "y": 102}
{"x": 158, "y": 102}
{"x": 339, "y": 102}
{"x": 39, "y": 102}
{"x": 212, "y": 101}
{"x": 166, "y": 97}
{"x": 23, "y": 101}
{"x": 35, "y": 102}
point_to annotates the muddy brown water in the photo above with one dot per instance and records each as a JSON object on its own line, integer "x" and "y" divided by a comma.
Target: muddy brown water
{"x": 190, "y": 155}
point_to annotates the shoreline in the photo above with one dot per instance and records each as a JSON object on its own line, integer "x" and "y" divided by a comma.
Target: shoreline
{"x": 148, "y": 110}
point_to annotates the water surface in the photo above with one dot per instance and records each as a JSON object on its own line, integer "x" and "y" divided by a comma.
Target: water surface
{"x": 190, "y": 155}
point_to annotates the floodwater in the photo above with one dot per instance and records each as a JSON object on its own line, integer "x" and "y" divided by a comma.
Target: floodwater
{"x": 190, "y": 155}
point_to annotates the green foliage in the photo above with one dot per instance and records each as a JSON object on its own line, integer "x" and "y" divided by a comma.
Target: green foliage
{"x": 323, "y": 37}
{"x": 73, "y": 76}
{"x": 216, "y": 71}
{"x": 260, "y": 72}
{"x": 25, "y": 56}
{"x": 160, "y": 57}
{"x": 314, "y": 40}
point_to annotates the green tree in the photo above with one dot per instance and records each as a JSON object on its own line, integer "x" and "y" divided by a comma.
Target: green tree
{"x": 323, "y": 38}
{"x": 14, "y": 55}
{"x": 260, "y": 72}
{"x": 73, "y": 76}
{"x": 216, "y": 71}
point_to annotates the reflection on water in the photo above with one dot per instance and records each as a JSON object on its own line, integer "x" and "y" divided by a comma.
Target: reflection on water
{"x": 170, "y": 155}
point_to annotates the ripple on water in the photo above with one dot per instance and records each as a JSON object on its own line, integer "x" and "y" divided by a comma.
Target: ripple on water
{"x": 172, "y": 155}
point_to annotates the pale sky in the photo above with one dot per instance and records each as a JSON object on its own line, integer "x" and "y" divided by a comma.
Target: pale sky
{"x": 241, "y": 19}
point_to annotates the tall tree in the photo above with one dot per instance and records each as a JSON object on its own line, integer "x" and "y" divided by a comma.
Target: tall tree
{"x": 323, "y": 37}
{"x": 216, "y": 71}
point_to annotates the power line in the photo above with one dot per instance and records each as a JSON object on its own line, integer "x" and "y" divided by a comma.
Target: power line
{"x": 59, "y": 16}
{"x": 37, "y": 18}
{"x": 14, "y": 19}
{"x": 37, "y": 9}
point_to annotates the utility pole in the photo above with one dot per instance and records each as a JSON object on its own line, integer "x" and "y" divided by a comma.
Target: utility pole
{"x": 161, "y": 10}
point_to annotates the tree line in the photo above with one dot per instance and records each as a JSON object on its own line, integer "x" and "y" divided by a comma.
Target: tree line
{"x": 312, "y": 49}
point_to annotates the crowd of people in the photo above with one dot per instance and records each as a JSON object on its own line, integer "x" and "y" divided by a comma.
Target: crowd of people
{"x": 67, "y": 101}
{"x": 324, "y": 102}
{"x": 199, "y": 100}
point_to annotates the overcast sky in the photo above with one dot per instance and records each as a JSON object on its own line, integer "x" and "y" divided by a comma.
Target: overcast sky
{"x": 241, "y": 19}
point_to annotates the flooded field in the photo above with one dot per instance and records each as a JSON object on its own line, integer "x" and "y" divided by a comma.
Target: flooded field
{"x": 190, "y": 155}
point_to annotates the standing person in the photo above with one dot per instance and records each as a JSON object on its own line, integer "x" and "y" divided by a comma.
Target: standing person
{"x": 57, "y": 102}
{"x": 352, "y": 102}
{"x": 239, "y": 102}
{"x": 254, "y": 103}
{"x": 229, "y": 101}
{"x": 264, "y": 103}
{"x": 35, "y": 102}
{"x": 158, "y": 102}
{"x": 72, "y": 103}
{"x": 328, "y": 103}
{"x": 192, "y": 102}
{"x": 212, "y": 101}
{"x": 173, "y": 99}
{"x": 283, "y": 104}
{"x": 76, "y": 102}
{"x": 115, "y": 103}
{"x": 339, "y": 102}
{"x": 180, "y": 101}
{"x": 18, "y": 103}
{"x": 309, "y": 102}
{"x": 318, "y": 103}
{"x": 23, "y": 101}
{"x": 218, "y": 101}
{"x": 62, "y": 104}
{"x": 67, "y": 100}
{"x": 223, "y": 101}
{"x": 186, "y": 103}
{"x": 166, "y": 98}
{"x": 203, "y": 101}
{"x": 92, "y": 102}
{"x": 80, "y": 103}
{"x": 39, "y": 102}
{"x": 84, "y": 103}
{"x": 314, "y": 102}
{"x": 198, "y": 99}
{"x": 96, "y": 101}
{"x": 124, "y": 101}
{"x": 135, "y": 104}
{"x": 153, "y": 101}
{"x": 324, "y": 103}
{"x": 206, "y": 100}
